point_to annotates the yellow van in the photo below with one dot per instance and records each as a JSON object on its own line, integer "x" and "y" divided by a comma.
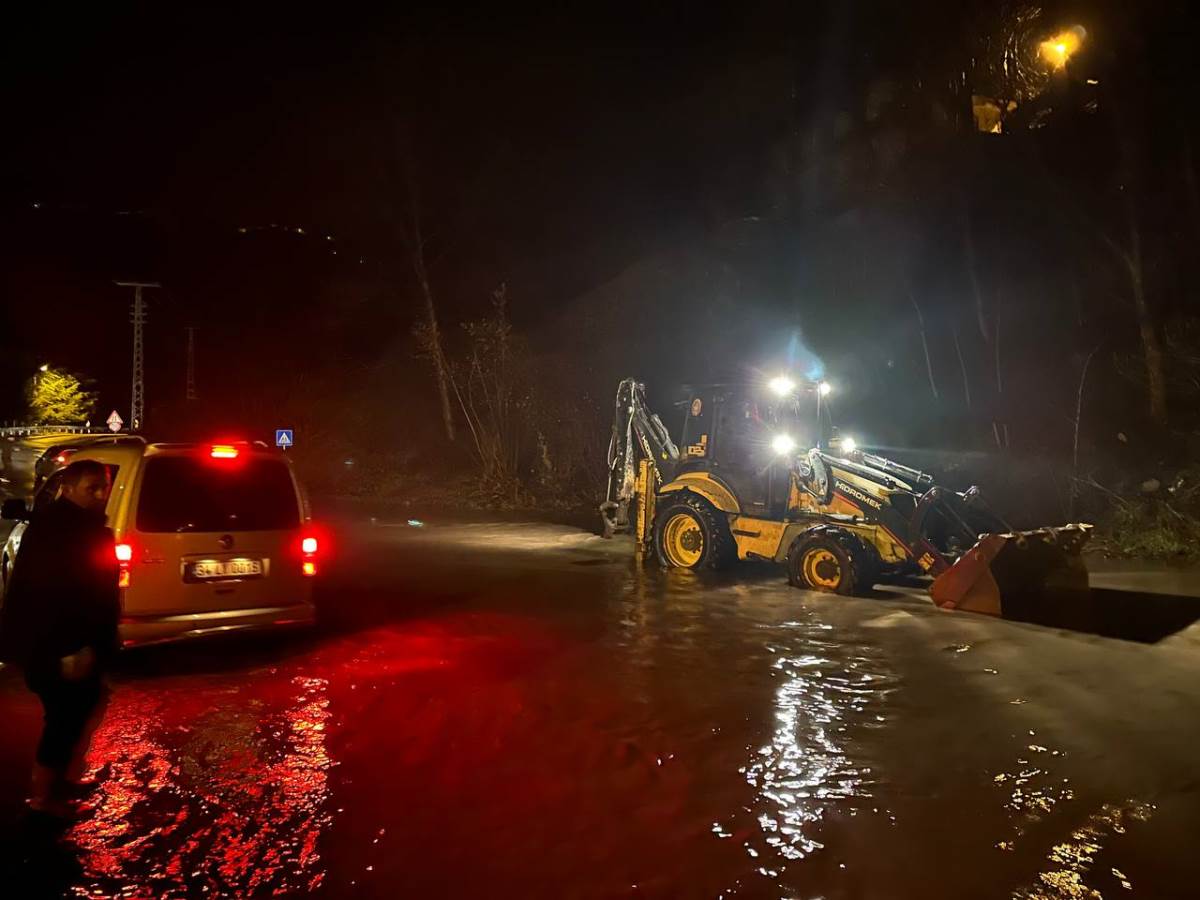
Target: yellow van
{"x": 210, "y": 538}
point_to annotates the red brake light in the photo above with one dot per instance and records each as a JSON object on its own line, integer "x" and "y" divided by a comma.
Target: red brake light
{"x": 61, "y": 459}
{"x": 124, "y": 554}
{"x": 308, "y": 549}
{"x": 223, "y": 451}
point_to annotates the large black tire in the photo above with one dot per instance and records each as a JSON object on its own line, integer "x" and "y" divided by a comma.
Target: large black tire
{"x": 832, "y": 561}
{"x": 690, "y": 533}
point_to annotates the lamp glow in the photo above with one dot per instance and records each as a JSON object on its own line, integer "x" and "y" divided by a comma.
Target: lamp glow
{"x": 783, "y": 444}
{"x": 1061, "y": 47}
{"x": 781, "y": 385}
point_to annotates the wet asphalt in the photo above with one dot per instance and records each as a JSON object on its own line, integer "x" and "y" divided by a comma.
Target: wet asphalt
{"x": 521, "y": 710}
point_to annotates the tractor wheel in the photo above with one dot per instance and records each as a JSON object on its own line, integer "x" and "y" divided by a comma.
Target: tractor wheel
{"x": 689, "y": 533}
{"x": 832, "y": 562}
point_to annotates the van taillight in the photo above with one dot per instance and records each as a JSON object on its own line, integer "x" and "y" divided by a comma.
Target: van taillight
{"x": 308, "y": 549}
{"x": 124, "y": 554}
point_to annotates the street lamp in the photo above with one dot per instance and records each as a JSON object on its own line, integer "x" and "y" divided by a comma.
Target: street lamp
{"x": 1062, "y": 46}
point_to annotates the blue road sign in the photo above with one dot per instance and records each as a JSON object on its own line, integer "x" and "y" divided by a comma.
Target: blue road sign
{"x": 284, "y": 438}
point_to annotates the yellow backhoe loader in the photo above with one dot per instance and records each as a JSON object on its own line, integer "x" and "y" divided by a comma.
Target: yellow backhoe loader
{"x": 752, "y": 479}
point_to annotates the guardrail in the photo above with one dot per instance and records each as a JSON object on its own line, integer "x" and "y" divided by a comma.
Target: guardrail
{"x": 31, "y": 430}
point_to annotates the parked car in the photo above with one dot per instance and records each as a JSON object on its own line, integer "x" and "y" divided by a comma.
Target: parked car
{"x": 210, "y": 537}
{"x": 58, "y": 455}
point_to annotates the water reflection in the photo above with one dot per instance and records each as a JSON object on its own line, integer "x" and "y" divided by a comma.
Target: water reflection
{"x": 808, "y": 769}
{"x": 1033, "y": 789}
{"x": 1071, "y": 864}
{"x": 1035, "y": 794}
{"x": 663, "y": 734}
{"x": 228, "y": 800}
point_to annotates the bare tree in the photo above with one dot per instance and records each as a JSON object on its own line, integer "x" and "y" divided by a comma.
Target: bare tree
{"x": 1128, "y": 253}
{"x": 962, "y": 364}
{"x": 1152, "y": 349}
{"x": 1120, "y": 231}
{"x": 999, "y": 429}
{"x": 924, "y": 346}
{"x": 492, "y": 383}
{"x": 1075, "y": 442}
{"x": 428, "y": 333}
{"x": 972, "y": 264}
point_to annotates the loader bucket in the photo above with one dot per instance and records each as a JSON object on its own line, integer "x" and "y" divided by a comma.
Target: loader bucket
{"x": 1024, "y": 565}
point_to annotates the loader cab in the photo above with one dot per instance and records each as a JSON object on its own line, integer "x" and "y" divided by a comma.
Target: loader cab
{"x": 735, "y": 433}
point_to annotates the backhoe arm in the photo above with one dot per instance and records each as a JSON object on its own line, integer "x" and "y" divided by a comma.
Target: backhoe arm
{"x": 637, "y": 434}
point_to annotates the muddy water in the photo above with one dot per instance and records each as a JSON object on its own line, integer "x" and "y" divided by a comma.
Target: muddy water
{"x": 522, "y": 711}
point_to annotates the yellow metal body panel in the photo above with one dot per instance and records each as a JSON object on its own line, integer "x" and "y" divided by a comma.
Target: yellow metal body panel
{"x": 771, "y": 539}
{"x": 802, "y": 503}
{"x": 647, "y": 482}
{"x": 889, "y": 551}
{"x": 768, "y": 539}
{"x": 700, "y": 483}
{"x": 756, "y": 538}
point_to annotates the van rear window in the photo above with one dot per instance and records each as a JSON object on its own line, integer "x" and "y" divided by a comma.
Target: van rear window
{"x": 181, "y": 494}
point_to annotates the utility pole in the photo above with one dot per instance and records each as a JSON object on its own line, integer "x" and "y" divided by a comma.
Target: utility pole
{"x": 191, "y": 364}
{"x": 137, "y": 411}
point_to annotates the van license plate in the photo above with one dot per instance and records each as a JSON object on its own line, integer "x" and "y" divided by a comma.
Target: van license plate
{"x": 210, "y": 569}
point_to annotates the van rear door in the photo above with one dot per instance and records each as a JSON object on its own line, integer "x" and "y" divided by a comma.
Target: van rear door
{"x": 210, "y": 533}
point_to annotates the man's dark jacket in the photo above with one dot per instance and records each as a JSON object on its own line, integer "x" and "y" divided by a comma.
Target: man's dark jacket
{"x": 63, "y": 595}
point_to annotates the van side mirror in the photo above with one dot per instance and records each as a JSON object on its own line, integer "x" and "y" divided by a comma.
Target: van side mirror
{"x": 15, "y": 509}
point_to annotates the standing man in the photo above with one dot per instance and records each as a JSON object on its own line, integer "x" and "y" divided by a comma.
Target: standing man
{"x": 59, "y": 624}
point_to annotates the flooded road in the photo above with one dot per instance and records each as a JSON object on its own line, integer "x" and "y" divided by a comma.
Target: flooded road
{"x": 520, "y": 710}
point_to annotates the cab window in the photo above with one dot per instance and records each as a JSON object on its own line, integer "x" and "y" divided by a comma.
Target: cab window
{"x": 184, "y": 494}
{"x": 742, "y": 433}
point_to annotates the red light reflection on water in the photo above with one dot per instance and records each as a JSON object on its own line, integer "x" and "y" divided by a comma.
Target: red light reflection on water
{"x": 227, "y": 798}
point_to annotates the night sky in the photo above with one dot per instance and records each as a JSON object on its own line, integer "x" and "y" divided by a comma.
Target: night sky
{"x": 551, "y": 149}
{"x": 767, "y": 174}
